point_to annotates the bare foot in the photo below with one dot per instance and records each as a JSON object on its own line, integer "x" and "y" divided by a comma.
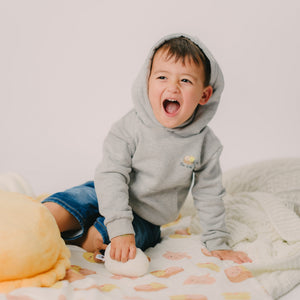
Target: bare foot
{"x": 93, "y": 241}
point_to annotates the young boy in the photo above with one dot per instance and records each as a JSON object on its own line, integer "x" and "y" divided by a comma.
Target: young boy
{"x": 151, "y": 159}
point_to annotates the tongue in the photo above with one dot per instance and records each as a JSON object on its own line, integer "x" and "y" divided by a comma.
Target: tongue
{"x": 171, "y": 107}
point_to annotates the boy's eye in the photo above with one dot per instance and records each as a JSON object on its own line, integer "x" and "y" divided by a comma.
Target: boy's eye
{"x": 186, "y": 80}
{"x": 161, "y": 77}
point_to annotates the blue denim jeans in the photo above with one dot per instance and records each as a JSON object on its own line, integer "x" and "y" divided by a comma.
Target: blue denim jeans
{"x": 81, "y": 201}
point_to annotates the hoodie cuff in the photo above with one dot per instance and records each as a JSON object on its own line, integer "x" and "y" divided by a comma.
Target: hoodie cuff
{"x": 216, "y": 244}
{"x": 119, "y": 227}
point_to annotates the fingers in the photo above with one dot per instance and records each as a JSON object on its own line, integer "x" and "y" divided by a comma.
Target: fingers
{"x": 235, "y": 256}
{"x": 123, "y": 248}
{"x": 245, "y": 258}
{"x": 123, "y": 254}
{"x": 206, "y": 252}
{"x": 132, "y": 252}
{"x": 241, "y": 257}
{"x": 119, "y": 254}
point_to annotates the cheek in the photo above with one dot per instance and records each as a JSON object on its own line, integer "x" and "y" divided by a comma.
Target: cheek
{"x": 193, "y": 96}
{"x": 154, "y": 93}
{"x": 192, "y": 103}
{"x": 151, "y": 89}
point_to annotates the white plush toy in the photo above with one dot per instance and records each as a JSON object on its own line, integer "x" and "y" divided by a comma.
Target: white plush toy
{"x": 132, "y": 268}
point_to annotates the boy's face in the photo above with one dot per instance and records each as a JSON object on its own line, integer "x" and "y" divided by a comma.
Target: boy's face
{"x": 175, "y": 89}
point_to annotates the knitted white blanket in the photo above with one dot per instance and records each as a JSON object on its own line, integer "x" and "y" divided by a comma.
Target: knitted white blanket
{"x": 263, "y": 217}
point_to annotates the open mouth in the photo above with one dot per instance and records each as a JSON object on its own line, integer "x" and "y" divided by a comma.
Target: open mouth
{"x": 171, "y": 106}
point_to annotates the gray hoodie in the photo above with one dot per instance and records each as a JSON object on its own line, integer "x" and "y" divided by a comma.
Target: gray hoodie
{"x": 150, "y": 169}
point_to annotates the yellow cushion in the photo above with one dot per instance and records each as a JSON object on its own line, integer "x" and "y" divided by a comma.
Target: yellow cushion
{"x": 32, "y": 253}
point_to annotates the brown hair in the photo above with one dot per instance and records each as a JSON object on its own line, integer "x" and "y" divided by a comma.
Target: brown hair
{"x": 182, "y": 48}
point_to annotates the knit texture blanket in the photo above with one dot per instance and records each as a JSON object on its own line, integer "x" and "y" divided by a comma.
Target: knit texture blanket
{"x": 263, "y": 217}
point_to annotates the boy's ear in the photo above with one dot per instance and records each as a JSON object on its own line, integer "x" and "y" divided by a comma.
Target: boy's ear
{"x": 207, "y": 92}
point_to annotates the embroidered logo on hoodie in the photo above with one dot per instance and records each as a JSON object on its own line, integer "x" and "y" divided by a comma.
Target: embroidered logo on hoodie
{"x": 188, "y": 162}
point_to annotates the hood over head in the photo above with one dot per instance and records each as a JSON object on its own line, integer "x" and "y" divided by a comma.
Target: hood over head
{"x": 202, "y": 115}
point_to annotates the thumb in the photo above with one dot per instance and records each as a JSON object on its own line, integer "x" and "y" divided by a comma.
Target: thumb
{"x": 206, "y": 252}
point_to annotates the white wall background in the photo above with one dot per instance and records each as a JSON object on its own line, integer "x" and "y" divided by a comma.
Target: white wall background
{"x": 66, "y": 69}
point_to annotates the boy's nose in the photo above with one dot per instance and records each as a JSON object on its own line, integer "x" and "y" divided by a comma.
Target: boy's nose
{"x": 173, "y": 87}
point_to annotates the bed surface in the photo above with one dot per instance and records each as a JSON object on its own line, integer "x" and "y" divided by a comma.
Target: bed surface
{"x": 294, "y": 294}
{"x": 268, "y": 192}
{"x": 178, "y": 270}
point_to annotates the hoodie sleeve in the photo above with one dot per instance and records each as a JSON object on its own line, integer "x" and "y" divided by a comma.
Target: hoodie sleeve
{"x": 112, "y": 177}
{"x": 207, "y": 193}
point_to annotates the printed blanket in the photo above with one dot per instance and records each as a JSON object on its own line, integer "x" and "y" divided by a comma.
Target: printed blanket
{"x": 178, "y": 271}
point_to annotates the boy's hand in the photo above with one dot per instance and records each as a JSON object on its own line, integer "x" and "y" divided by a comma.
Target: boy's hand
{"x": 236, "y": 256}
{"x": 123, "y": 247}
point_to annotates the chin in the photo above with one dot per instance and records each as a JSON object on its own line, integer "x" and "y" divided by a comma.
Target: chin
{"x": 170, "y": 123}
{"x": 170, "y": 126}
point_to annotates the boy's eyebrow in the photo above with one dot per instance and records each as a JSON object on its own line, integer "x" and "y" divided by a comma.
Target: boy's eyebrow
{"x": 160, "y": 71}
{"x": 182, "y": 74}
{"x": 190, "y": 75}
